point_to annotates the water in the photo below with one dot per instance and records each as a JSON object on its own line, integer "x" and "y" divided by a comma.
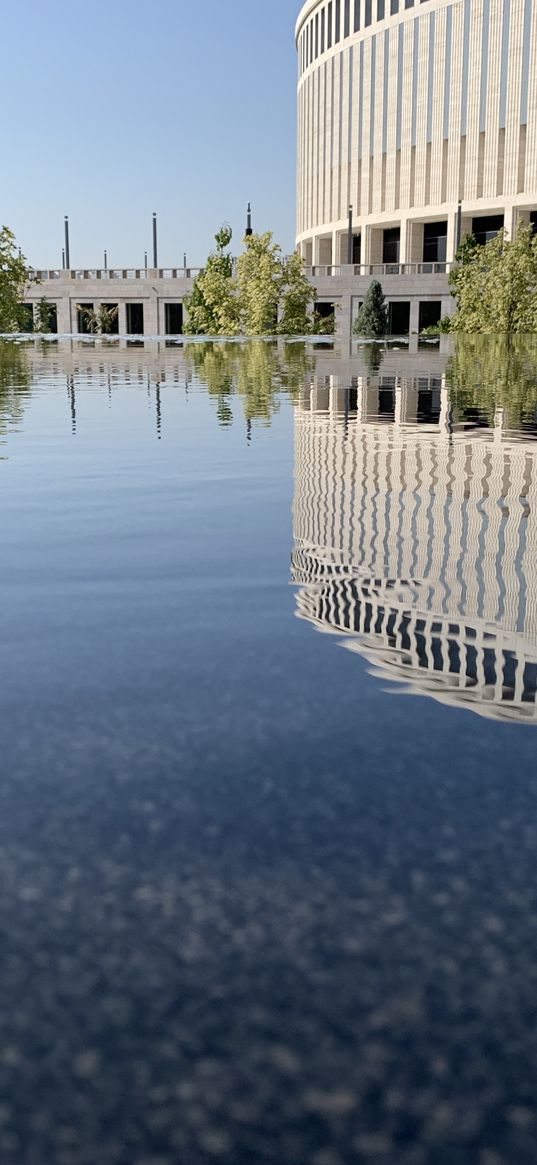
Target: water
{"x": 257, "y": 906}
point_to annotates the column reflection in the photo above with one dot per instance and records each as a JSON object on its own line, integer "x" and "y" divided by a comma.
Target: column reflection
{"x": 415, "y": 537}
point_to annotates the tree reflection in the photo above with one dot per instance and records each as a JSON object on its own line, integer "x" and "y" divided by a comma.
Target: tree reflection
{"x": 15, "y": 382}
{"x": 488, "y": 373}
{"x": 258, "y": 372}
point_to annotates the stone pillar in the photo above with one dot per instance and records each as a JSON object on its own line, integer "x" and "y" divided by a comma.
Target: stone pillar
{"x": 414, "y": 252}
{"x": 151, "y": 316}
{"x": 65, "y": 316}
{"x": 325, "y": 252}
{"x": 343, "y": 313}
{"x": 510, "y": 221}
{"x": 451, "y": 242}
{"x": 335, "y": 252}
{"x": 366, "y": 245}
{"x": 122, "y": 317}
{"x": 414, "y": 314}
{"x": 376, "y": 245}
{"x": 405, "y": 242}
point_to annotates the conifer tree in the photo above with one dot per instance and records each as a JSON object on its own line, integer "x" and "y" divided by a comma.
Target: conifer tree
{"x": 372, "y": 319}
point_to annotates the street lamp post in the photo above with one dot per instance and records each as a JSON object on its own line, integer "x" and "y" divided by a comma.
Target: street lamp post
{"x": 155, "y": 252}
{"x": 249, "y": 231}
{"x": 67, "y": 254}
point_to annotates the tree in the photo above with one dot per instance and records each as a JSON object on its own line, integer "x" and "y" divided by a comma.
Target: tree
{"x": 495, "y": 286}
{"x": 372, "y": 319}
{"x": 14, "y": 278}
{"x": 269, "y": 296}
{"x": 44, "y": 316}
{"x": 297, "y": 299}
{"x": 99, "y": 321}
{"x": 212, "y": 308}
{"x": 260, "y": 280}
{"x": 106, "y": 318}
{"x": 324, "y": 325}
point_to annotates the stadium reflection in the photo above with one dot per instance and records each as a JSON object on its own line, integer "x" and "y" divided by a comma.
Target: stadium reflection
{"x": 415, "y": 537}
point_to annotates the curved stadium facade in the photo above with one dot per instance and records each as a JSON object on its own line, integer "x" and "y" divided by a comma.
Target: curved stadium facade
{"x": 406, "y": 111}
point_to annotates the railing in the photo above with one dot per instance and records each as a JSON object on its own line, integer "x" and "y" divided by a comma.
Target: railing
{"x": 118, "y": 273}
{"x": 377, "y": 269}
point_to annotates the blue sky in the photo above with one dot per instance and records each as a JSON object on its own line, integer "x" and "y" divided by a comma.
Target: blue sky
{"x": 115, "y": 108}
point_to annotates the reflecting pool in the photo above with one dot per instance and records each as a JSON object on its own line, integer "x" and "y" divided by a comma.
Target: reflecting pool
{"x": 255, "y": 905}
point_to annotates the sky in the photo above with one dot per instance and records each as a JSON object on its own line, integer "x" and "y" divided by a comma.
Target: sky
{"x": 117, "y": 108}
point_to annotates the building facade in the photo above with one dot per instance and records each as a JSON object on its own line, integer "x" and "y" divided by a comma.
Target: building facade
{"x": 407, "y": 111}
{"x": 144, "y": 302}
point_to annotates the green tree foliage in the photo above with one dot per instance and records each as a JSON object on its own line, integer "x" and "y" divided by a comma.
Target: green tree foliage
{"x": 495, "y": 286}
{"x": 106, "y": 318}
{"x": 269, "y": 295}
{"x": 213, "y": 308}
{"x": 372, "y": 319}
{"x": 14, "y": 278}
{"x": 324, "y": 325}
{"x": 297, "y": 299}
{"x": 442, "y": 328}
{"x": 260, "y": 283}
{"x": 44, "y": 316}
{"x": 99, "y": 321}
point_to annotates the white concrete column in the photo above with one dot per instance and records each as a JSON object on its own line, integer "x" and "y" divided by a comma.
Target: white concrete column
{"x": 366, "y": 245}
{"x": 405, "y": 242}
{"x": 122, "y": 318}
{"x": 510, "y": 221}
{"x": 151, "y": 316}
{"x": 414, "y": 314}
{"x": 65, "y": 321}
{"x": 335, "y": 254}
{"x": 343, "y": 317}
{"x": 451, "y": 242}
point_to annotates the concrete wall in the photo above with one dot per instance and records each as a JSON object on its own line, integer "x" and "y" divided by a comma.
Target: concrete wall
{"x": 343, "y": 288}
{"x": 67, "y": 289}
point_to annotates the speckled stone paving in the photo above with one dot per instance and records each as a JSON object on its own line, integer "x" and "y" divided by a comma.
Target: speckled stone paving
{"x": 205, "y": 965}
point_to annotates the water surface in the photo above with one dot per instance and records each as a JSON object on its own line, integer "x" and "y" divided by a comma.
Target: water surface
{"x": 264, "y": 899}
